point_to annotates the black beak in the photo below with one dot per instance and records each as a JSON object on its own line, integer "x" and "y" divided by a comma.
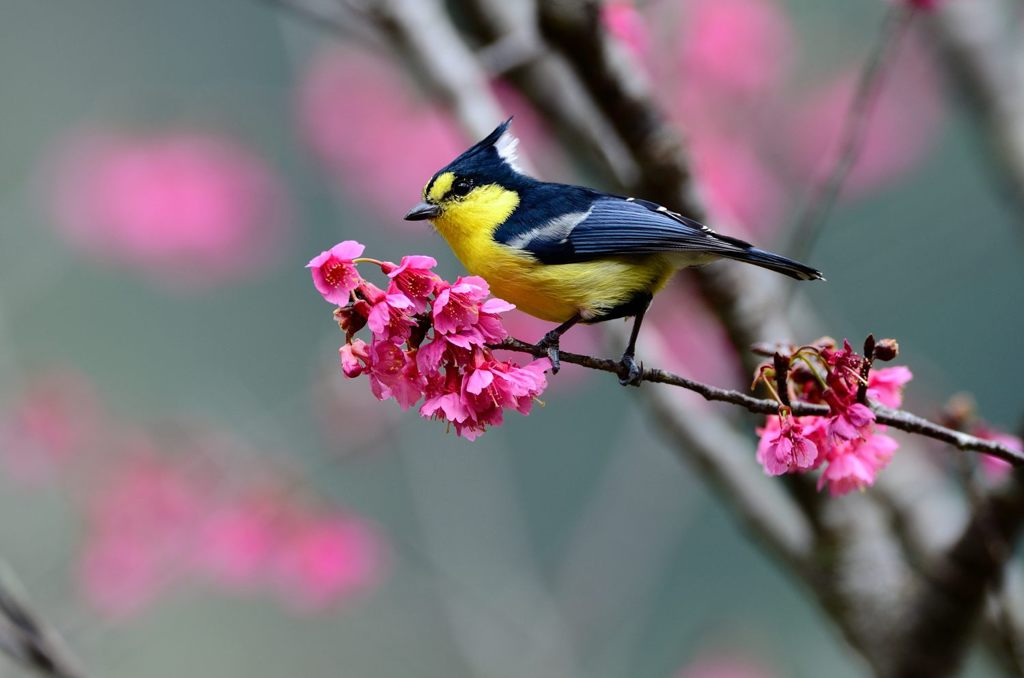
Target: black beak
{"x": 423, "y": 211}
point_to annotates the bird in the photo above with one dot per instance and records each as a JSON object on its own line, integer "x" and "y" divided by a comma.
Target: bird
{"x": 569, "y": 254}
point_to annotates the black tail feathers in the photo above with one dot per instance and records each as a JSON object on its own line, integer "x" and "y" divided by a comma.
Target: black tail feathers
{"x": 775, "y": 262}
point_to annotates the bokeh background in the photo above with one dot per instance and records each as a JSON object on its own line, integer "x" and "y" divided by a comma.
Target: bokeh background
{"x": 189, "y": 486}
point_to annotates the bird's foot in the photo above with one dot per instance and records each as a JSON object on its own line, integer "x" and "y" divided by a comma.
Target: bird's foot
{"x": 633, "y": 372}
{"x": 549, "y": 343}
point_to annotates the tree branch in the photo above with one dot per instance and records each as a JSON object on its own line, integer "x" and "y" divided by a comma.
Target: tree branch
{"x": 988, "y": 70}
{"x": 898, "y": 419}
{"x": 953, "y": 592}
{"x": 27, "y": 639}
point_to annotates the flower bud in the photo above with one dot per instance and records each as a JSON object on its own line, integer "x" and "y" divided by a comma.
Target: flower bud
{"x": 352, "y": 318}
{"x": 886, "y": 350}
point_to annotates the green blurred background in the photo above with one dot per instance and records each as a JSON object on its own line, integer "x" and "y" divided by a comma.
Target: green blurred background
{"x": 569, "y": 543}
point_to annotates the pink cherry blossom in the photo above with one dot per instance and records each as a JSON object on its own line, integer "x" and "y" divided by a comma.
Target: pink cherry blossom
{"x": 431, "y": 355}
{"x": 457, "y": 306}
{"x": 328, "y": 559}
{"x": 334, "y": 274}
{"x": 785, "y": 447}
{"x": 844, "y": 473}
{"x": 414, "y": 278}
{"x": 885, "y": 385}
{"x": 444, "y": 398}
{"x": 394, "y": 374}
{"x": 855, "y": 465}
{"x": 454, "y": 371}
{"x": 389, "y": 319}
{"x": 850, "y": 421}
{"x": 184, "y": 208}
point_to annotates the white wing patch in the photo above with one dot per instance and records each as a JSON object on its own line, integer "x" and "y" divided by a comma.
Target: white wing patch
{"x": 557, "y": 230}
{"x": 507, "y": 147}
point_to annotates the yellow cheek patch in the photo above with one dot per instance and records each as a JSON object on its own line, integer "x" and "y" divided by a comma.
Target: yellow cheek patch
{"x": 441, "y": 186}
{"x": 482, "y": 210}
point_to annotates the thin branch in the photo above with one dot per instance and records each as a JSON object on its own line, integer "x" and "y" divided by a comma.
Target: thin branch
{"x": 898, "y": 419}
{"x": 855, "y": 127}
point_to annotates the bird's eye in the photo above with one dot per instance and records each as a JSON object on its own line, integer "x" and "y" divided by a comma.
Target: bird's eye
{"x": 462, "y": 186}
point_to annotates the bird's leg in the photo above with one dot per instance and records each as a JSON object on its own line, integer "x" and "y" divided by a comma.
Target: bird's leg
{"x": 633, "y": 371}
{"x": 550, "y": 341}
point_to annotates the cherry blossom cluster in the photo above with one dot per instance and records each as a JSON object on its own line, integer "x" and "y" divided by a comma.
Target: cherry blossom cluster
{"x": 429, "y": 339}
{"x": 848, "y": 444}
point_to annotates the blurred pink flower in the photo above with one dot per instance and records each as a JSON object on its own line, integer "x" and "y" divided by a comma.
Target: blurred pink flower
{"x": 183, "y": 208}
{"x": 140, "y": 523}
{"x": 334, "y": 274}
{"x": 237, "y": 541}
{"x": 903, "y": 126}
{"x": 327, "y": 559}
{"x": 53, "y": 419}
{"x": 738, "y": 186}
{"x": 994, "y": 467}
{"x": 378, "y": 139}
{"x": 119, "y": 574}
{"x": 734, "y": 48}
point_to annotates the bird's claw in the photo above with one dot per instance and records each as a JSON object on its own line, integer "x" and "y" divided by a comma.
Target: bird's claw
{"x": 550, "y": 344}
{"x": 633, "y": 371}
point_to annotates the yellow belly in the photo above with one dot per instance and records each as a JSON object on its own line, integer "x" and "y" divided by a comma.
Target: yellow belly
{"x": 558, "y": 292}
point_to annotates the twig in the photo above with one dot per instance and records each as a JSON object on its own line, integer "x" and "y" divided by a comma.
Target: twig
{"x": 855, "y": 126}
{"x": 898, "y": 419}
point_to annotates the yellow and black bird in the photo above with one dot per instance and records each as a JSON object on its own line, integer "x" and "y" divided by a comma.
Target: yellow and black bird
{"x": 569, "y": 254}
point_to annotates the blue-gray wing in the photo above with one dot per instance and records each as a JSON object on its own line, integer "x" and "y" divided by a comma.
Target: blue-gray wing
{"x": 611, "y": 225}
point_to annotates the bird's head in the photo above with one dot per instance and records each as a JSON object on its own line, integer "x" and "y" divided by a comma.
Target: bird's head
{"x": 477, "y": 191}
